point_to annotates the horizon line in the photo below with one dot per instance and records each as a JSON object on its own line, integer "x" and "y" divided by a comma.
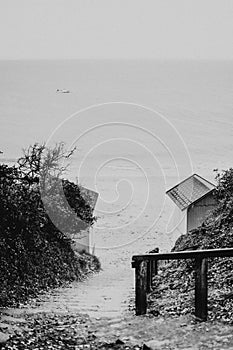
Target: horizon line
{"x": 141, "y": 59}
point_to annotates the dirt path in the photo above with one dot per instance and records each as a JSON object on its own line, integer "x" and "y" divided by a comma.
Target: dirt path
{"x": 39, "y": 328}
{"x": 107, "y": 301}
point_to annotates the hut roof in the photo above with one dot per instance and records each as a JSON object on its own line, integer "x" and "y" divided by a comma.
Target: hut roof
{"x": 190, "y": 190}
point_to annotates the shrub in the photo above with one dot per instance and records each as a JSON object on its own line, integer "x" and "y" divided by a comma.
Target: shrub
{"x": 34, "y": 253}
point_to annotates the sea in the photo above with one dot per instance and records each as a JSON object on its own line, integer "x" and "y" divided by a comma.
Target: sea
{"x": 139, "y": 127}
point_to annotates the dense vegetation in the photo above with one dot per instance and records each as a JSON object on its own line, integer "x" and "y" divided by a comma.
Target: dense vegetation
{"x": 174, "y": 286}
{"x": 34, "y": 253}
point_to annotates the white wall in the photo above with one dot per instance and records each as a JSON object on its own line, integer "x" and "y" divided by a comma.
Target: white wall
{"x": 177, "y": 224}
{"x": 82, "y": 240}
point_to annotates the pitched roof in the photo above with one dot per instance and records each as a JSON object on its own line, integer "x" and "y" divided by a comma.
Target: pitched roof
{"x": 189, "y": 191}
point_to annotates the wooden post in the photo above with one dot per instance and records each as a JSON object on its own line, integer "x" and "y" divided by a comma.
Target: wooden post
{"x": 140, "y": 287}
{"x": 149, "y": 276}
{"x": 155, "y": 267}
{"x": 201, "y": 293}
{"x": 154, "y": 264}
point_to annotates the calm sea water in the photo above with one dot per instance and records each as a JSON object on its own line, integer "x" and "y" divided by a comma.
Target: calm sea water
{"x": 196, "y": 97}
{"x": 168, "y": 120}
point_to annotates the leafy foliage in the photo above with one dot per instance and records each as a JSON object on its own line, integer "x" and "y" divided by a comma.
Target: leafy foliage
{"x": 34, "y": 253}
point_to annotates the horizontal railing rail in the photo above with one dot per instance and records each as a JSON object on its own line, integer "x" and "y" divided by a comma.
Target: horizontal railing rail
{"x": 146, "y": 267}
{"x": 187, "y": 254}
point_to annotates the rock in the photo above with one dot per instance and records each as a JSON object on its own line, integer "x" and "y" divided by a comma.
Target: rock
{"x": 154, "y": 344}
{"x": 4, "y": 337}
{"x": 120, "y": 342}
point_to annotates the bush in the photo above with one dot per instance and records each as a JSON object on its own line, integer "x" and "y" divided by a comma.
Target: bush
{"x": 34, "y": 253}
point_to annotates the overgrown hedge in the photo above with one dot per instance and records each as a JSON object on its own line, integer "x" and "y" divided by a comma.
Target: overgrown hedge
{"x": 174, "y": 286}
{"x": 34, "y": 254}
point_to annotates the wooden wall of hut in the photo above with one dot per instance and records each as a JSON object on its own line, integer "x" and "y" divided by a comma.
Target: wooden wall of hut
{"x": 197, "y": 213}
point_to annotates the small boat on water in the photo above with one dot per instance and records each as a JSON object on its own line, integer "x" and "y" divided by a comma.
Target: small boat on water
{"x": 63, "y": 91}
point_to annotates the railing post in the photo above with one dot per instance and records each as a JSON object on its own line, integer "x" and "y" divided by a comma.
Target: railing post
{"x": 140, "y": 287}
{"x": 154, "y": 264}
{"x": 201, "y": 292}
{"x": 154, "y": 268}
{"x": 148, "y": 276}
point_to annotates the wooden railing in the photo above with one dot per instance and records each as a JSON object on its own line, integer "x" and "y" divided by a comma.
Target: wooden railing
{"x": 146, "y": 267}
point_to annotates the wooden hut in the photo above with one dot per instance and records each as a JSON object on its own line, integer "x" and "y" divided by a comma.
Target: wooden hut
{"x": 195, "y": 195}
{"x": 82, "y": 239}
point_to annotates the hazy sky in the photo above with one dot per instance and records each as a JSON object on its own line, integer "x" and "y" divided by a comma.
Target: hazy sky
{"x": 116, "y": 29}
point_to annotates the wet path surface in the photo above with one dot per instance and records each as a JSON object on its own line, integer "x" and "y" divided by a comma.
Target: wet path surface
{"x": 105, "y": 294}
{"x": 107, "y": 300}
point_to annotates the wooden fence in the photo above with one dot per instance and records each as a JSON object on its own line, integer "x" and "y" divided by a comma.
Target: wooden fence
{"x": 146, "y": 267}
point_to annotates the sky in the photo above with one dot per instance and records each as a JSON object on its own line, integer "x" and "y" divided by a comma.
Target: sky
{"x": 116, "y": 29}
